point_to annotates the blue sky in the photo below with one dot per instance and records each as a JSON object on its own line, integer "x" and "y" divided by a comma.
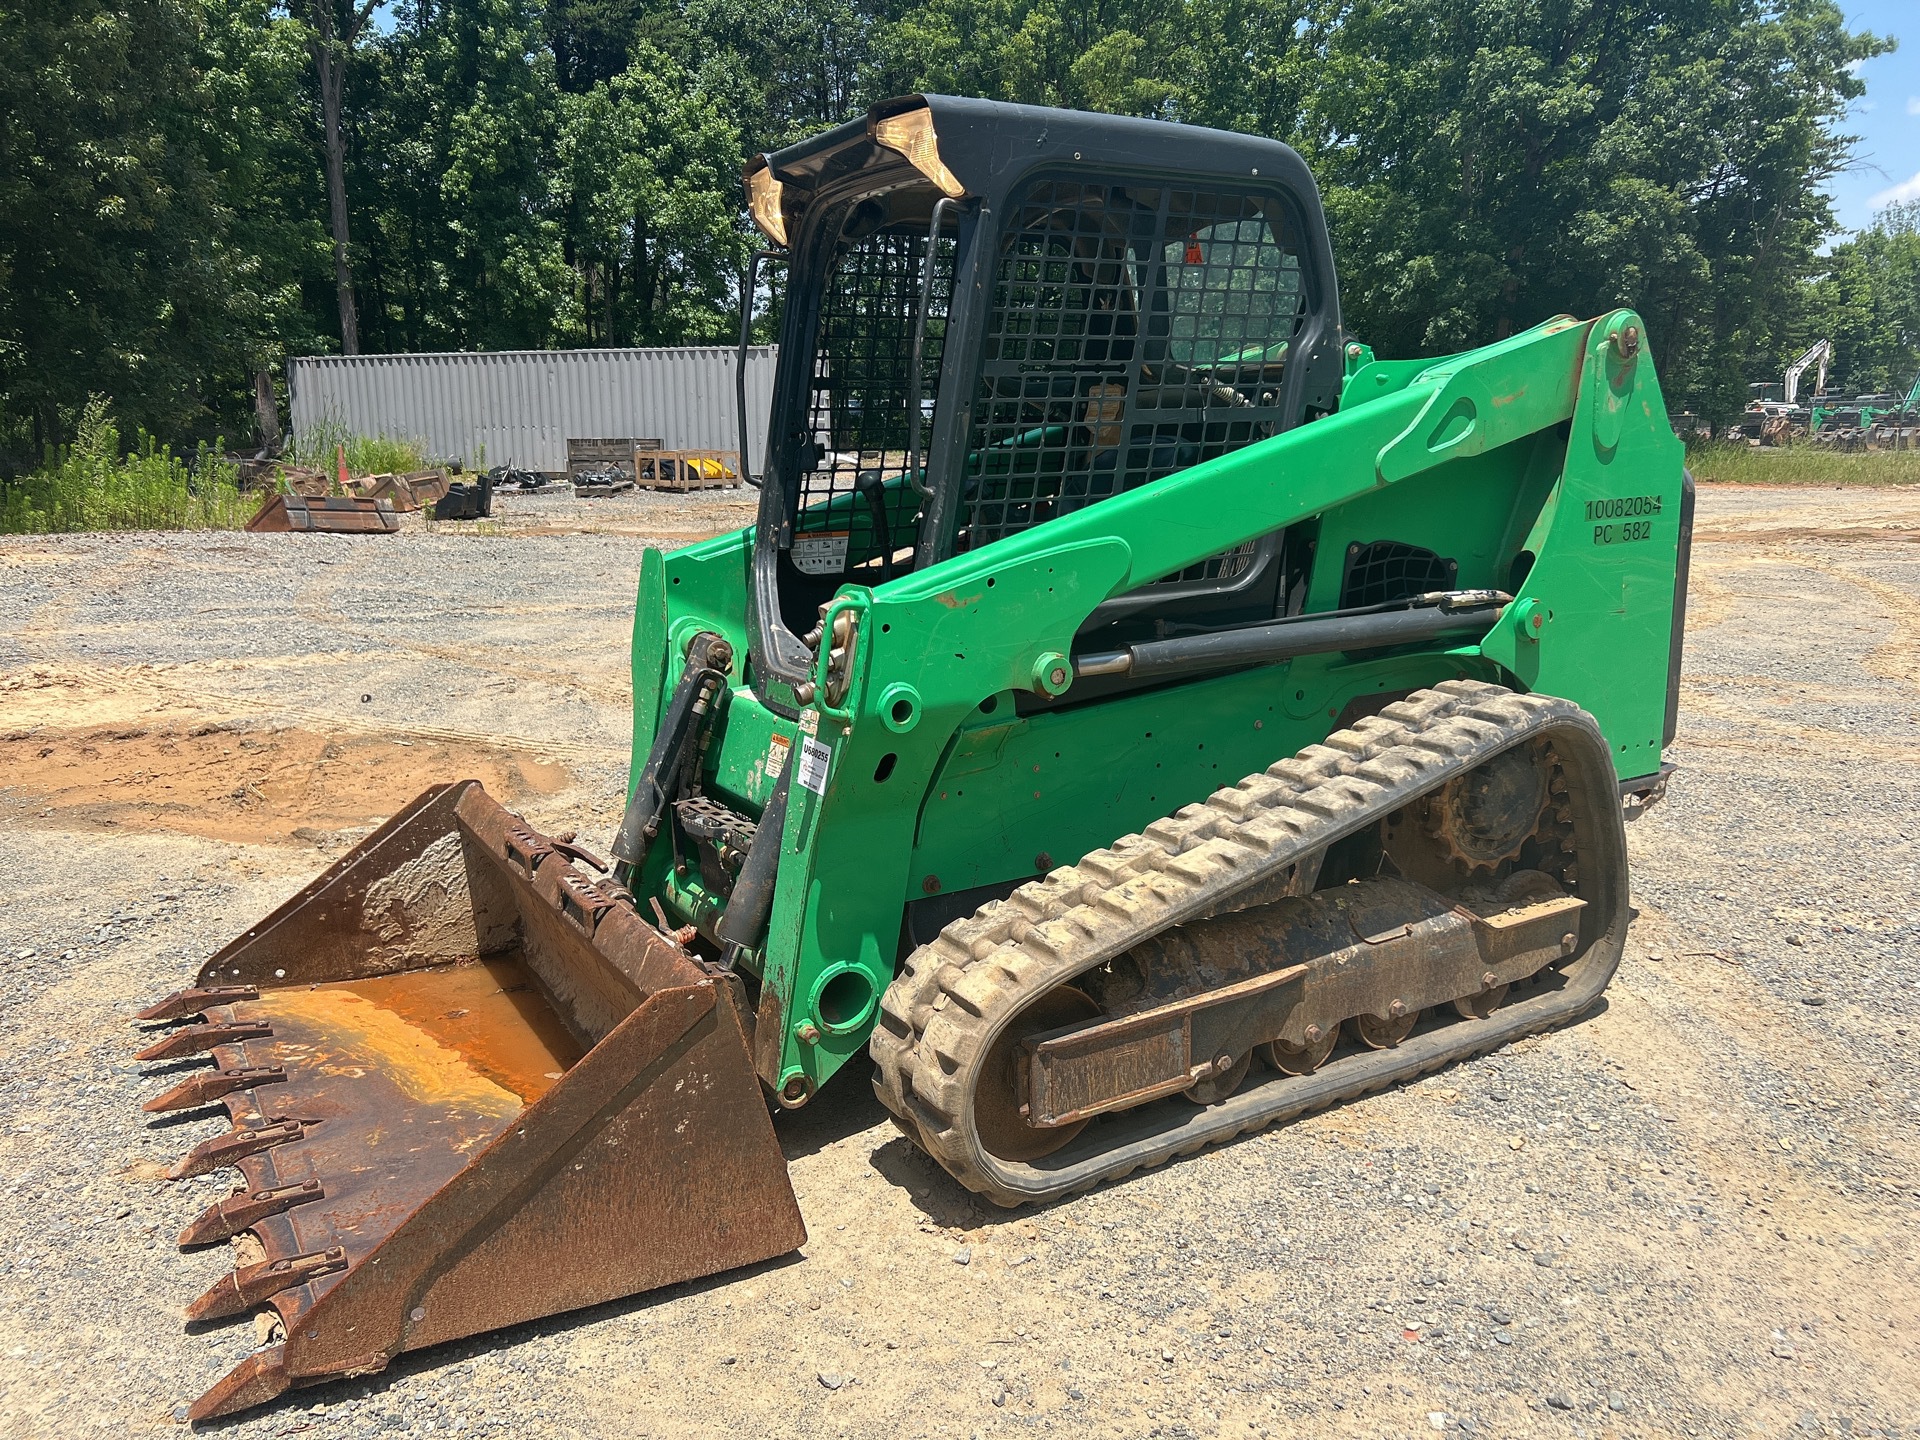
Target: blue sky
{"x": 1887, "y": 119}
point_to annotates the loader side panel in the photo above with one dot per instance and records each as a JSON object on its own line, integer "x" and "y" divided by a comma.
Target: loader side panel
{"x": 1593, "y": 621}
{"x": 1027, "y": 783}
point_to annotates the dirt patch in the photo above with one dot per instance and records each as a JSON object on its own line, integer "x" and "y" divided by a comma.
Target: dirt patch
{"x": 1689, "y": 1214}
{"x": 1800, "y": 534}
{"x": 252, "y": 786}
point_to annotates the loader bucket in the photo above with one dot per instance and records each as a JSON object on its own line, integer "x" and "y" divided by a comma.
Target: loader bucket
{"x": 469, "y": 1087}
{"x": 334, "y": 514}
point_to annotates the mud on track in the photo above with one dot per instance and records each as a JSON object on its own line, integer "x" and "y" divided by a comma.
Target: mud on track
{"x": 1691, "y": 1214}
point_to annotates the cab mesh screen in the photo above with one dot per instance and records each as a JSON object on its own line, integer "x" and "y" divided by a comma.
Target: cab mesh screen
{"x": 862, "y": 392}
{"x": 1135, "y": 331}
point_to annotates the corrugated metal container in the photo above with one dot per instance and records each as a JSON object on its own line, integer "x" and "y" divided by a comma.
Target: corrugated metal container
{"x": 520, "y": 407}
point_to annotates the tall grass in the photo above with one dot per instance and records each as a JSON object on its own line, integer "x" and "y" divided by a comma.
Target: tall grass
{"x": 318, "y": 446}
{"x": 1740, "y": 464}
{"x": 94, "y": 485}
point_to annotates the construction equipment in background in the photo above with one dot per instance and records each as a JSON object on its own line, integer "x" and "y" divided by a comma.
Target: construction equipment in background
{"x": 1139, "y": 715}
{"x": 1770, "y": 423}
{"x": 1774, "y": 415}
{"x": 310, "y": 501}
{"x": 597, "y": 484}
{"x": 1841, "y": 425}
{"x": 1819, "y": 353}
{"x": 1898, "y": 427}
{"x": 303, "y": 480}
{"x": 466, "y": 499}
{"x": 1880, "y": 421}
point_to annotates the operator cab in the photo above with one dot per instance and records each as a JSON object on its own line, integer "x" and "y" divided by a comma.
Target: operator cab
{"x": 996, "y": 315}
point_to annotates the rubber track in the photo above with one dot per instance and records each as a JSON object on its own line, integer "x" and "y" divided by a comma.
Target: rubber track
{"x": 941, "y": 1014}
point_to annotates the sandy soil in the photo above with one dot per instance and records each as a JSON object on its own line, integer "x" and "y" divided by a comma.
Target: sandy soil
{"x": 1691, "y": 1214}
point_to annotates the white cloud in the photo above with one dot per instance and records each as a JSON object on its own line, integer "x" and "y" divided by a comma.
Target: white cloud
{"x": 1901, "y": 194}
{"x": 1913, "y": 104}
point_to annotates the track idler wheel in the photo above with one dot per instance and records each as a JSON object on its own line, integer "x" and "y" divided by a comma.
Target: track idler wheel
{"x": 998, "y": 1112}
{"x": 1478, "y": 1007}
{"x": 1302, "y": 1059}
{"x": 1383, "y": 1032}
{"x": 1224, "y": 1080}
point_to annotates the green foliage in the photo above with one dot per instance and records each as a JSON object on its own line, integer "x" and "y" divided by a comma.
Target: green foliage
{"x": 319, "y": 448}
{"x": 1490, "y": 163}
{"x": 1739, "y": 464}
{"x": 93, "y": 485}
{"x": 644, "y": 189}
{"x": 1234, "y": 64}
{"x": 534, "y": 173}
{"x": 1868, "y": 303}
{"x": 130, "y": 133}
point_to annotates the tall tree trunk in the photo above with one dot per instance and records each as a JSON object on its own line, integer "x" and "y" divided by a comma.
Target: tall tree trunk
{"x": 330, "y": 59}
{"x": 266, "y": 412}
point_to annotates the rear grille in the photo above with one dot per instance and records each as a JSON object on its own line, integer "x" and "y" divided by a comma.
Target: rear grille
{"x": 1388, "y": 570}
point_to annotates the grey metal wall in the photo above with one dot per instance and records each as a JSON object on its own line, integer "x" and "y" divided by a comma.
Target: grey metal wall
{"x": 520, "y": 407}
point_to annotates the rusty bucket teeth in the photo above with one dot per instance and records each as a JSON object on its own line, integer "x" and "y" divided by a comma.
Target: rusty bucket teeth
{"x": 520, "y": 1100}
{"x": 197, "y": 1039}
{"x": 240, "y": 1291}
{"x": 205, "y": 1089}
{"x": 195, "y": 1001}
{"x": 244, "y": 1209}
{"x": 261, "y": 1377}
{"x": 233, "y": 1147}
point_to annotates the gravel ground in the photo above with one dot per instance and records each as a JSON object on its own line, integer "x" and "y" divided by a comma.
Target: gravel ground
{"x": 1692, "y": 1214}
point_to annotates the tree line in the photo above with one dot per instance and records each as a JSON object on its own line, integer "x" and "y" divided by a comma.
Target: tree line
{"x": 193, "y": 190}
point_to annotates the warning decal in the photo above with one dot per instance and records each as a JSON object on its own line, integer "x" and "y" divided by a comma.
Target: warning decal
{"x": 822, "y": 554}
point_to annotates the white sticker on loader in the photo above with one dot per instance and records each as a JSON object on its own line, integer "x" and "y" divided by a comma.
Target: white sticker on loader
{"x": 814, "y": 760}
{"x": 822, "y": 554}
{"x": 776, "y": 760}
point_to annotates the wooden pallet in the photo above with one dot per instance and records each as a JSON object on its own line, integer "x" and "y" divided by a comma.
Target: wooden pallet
{"x": 657, "y": 469}
{"x": 592, "y": 454}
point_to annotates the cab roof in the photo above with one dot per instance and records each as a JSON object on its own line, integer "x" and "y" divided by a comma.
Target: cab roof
{"x": 989, "y": 145}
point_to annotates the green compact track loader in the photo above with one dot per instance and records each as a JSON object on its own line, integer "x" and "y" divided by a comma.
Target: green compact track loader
{"x": 1139, "y": 715}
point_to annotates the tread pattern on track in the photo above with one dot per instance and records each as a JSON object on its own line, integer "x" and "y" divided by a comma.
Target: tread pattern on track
{"x": 954, "y": 995}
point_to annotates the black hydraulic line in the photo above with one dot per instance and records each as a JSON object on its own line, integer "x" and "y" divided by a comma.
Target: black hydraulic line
{"x": 666, "y": 770}
{"x": 745, "y": 923}
{"x": 1472, "y": 613}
